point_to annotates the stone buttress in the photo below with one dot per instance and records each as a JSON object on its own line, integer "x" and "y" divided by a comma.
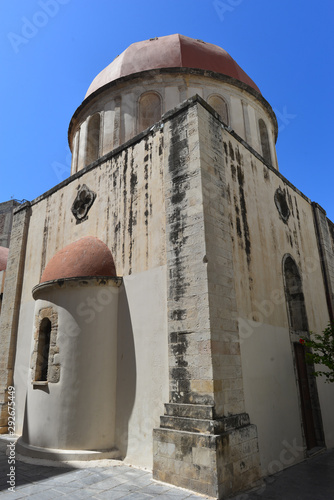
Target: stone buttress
{"x": 205, "y": 441}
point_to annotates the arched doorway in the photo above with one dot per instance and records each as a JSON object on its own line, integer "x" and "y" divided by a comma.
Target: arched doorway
{"x": 309, "y": 402}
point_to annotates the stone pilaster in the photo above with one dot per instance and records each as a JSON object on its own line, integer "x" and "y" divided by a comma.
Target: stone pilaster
{"x": 205, "y": 441}
{"x": 10, "y": 307}
{"x": 196, "y": 450}
{"x": 325, "y": 244}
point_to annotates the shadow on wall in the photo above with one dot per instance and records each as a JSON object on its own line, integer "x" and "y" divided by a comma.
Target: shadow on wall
{"x": 25, "y": 427}
{"x": 126, "y": 373}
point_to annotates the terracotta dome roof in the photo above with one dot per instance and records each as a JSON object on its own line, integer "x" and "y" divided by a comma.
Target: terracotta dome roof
{"x": 173, "y": 51}
{"x": 88, "y": 256}
{"x": 3, "y": 258}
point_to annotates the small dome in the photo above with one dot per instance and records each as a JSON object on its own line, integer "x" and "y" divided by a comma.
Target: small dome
{"x": 3, "y": 258}
{"x": 88, "y": 256}
{"x": 173, "y": 51}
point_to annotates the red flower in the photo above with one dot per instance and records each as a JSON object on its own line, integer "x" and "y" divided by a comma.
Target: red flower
{"x": 302, "y": 341}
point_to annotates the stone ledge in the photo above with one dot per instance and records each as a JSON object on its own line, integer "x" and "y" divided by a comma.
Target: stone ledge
{"x": 203, "y": 425}
{"x": 189, "y": 410}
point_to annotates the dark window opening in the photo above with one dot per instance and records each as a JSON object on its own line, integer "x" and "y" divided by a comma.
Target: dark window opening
{"x": 264, "y": 141}
{"x": 43, "y": 350}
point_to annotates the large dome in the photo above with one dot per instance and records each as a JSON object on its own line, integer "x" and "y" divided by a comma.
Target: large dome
{"x": 88, "y": 256}
{"x": 173, "y": 51}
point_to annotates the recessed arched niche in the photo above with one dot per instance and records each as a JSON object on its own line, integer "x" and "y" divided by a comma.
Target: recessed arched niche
{"x": 264, "y": 138}
{"x": 93, "y": 139}
{"x": 219, "y": 104}
{"x": 149, "y": 110}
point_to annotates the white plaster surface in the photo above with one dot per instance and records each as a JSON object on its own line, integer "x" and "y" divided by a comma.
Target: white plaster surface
{"x": 142, "y": 363}
{"x": 326, "y": 398}
{"x": 271, "y": 394}
{"x": 22, "y": 360}
{"x": 80, "y": 397}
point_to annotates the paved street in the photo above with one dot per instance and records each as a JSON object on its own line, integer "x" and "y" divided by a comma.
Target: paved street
{"x": 310, "y": 480}
{"x": 104, "y": 480}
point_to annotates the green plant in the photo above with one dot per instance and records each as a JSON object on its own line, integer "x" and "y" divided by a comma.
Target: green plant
{"x": 322, "y": 352}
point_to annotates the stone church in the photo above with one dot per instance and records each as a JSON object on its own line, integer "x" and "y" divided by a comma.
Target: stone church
{"x": 153, "y": 301}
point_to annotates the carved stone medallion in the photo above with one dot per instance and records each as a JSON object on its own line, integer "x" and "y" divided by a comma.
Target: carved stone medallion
{"x": 82, "y": 203}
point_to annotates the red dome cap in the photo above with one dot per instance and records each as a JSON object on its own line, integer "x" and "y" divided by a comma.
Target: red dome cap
{"x": 88, "y": 256}
{"x": 3, "y": 258}
{"x": 173, "y": 51}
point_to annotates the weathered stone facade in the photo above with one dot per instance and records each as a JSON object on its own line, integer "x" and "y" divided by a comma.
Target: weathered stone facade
{"x": 10, "y": 309}
{"x": 6, "y": 221}
{"x": 201, "y": 373}
{"x": 205, "y": 427}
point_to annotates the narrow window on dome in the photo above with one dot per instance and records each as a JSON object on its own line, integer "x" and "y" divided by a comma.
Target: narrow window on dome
{"x": 93, "y": 139}
{"x": 43, "y": 349}
{"x": 75, "y": 155}
{"x": 219, "y": 104}
{"x": 264, "y": 141}
{"x": 149, "y": 110}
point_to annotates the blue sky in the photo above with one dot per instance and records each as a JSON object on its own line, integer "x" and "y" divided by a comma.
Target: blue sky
{"x": 52, "y": 49}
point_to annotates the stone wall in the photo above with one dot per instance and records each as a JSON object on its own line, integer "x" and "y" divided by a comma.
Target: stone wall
{"x": 6, "y": 221}
{"x": 205, "y": 441}
{"x": 128, "y": 215}
{"x": 325, "y": 233}
{"x": 11, "y": 307}
{"x": 270, "y": 219}
{"x": 198, "y": 226}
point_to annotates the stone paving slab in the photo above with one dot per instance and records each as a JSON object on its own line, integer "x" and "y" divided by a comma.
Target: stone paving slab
{"x": 312, "y": 479}
{"x": 104, "y": 479}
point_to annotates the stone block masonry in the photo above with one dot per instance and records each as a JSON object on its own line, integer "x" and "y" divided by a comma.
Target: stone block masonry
{"x": 325, "y": 233}
{"x": 205, "y": 441}
{"x": 10, "y": 307}
{"x": 195, "y": 450}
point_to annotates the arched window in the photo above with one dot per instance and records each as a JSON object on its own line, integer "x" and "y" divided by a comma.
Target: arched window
{"x": 219, "y": 105}
{"x": 149, "y": 110}
{"x": 75, "y": 153}
{"x": 43, "y": 349}
{"x": 295, "y": 296}
{"x": 265, "y": 146}
{"x": 93, "y": 139}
